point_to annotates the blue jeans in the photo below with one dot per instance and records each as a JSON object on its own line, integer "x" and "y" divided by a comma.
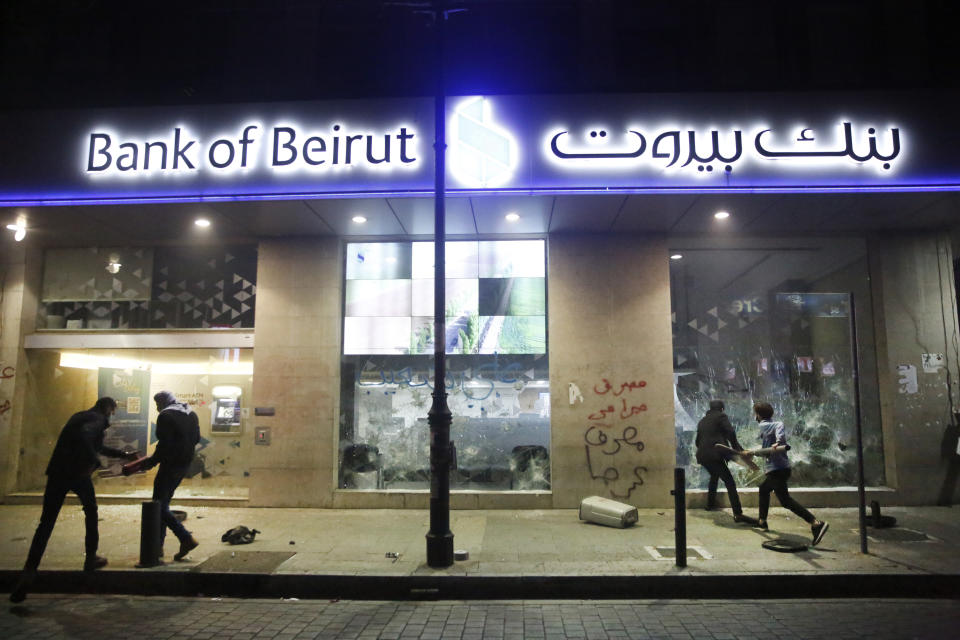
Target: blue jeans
{"x": 164, "y": 485}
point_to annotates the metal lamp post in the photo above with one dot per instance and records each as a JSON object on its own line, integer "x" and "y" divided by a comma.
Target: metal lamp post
{"x": 439, "y": 537}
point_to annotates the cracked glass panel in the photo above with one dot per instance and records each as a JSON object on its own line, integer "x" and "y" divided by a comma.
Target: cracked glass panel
{"x": 497, "y": 367}
{"x": 769, "y": 320}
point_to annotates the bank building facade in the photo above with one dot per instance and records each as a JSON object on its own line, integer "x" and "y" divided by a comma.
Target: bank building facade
{"x": 613, "y": 264}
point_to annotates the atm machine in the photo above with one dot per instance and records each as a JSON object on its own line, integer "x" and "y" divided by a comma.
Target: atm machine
{"x": 225, "y": 412}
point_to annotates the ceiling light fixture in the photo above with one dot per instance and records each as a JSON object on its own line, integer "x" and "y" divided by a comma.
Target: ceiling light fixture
{"x": 202, "y": 223}
{"x": 359, "y": 219}
{"x": 676, "y": 256}
{"x": 512, "y": 217}
{"x": 721, "y": 215}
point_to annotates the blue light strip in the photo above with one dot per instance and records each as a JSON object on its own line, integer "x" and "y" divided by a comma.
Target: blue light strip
{"x": 325, "y": 195}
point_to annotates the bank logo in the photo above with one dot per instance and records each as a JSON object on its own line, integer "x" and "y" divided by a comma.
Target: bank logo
{"x": 482, "y": 154}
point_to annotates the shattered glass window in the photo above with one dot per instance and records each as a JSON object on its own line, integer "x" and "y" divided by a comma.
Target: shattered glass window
{"x": 217, "y": 385}
{"x": 497, "y": 366}
{"x": 769, "y": 320}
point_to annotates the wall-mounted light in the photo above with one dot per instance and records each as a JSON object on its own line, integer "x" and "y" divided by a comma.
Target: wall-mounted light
{"x": 203, "y": 223}
{"x": 113, "y": 265}
{"x": 359, "y": 219}
{"x": 511, "y": 217}
{"x": 721, "y": 215}
{"x": 19, "y": 229}
{"x": 677, "y": 256}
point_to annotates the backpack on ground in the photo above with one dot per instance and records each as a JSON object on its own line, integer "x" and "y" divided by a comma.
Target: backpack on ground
{"x": 239, "y": 535}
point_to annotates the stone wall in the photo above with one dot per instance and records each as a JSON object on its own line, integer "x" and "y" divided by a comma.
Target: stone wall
{"x": 916, "y": 307}
{"x": 611, "y": 369}
{"x": 296, "y": 371}
{"x": 19, "y": 282}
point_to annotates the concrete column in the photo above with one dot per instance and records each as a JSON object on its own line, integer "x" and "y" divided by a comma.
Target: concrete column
{"x": 19, "y": 283}
{"x": 916, "y": 311}
{"x": 611, "y": 369}
{"x": 296, "y": 371}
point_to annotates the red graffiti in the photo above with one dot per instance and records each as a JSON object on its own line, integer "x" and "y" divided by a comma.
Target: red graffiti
{"x": 601, "y": 414}
{"x": 632, "y": 411}
{"x": 7, "y": 372}
{"x": 4, "y": 407}
{"x": 624, "y": 387}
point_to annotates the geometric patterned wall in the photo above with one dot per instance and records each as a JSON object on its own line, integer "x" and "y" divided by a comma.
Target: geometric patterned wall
{"x": 186, "y": 287}
{"x": 81, "y": 274}
{"x": 204, "y": 286}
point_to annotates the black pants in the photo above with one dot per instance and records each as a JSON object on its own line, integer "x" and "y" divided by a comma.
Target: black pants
{"x": 53, "y": 497}
{"x": 776, "y": 481}
{"x": 718, "y": 471}
{"x": 164, "y": 485}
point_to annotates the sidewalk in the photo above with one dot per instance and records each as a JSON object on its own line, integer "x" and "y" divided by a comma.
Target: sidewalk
{"x": 515, "y": 554}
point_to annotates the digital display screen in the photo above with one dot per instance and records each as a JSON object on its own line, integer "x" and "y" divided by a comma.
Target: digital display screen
{"x": 495, "y": 298}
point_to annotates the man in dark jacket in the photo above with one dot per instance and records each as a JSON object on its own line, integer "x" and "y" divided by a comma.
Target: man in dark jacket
{"x": 713, "y": 429}
{"x": 178, "y": 432}
{"x": 75, "y": 458}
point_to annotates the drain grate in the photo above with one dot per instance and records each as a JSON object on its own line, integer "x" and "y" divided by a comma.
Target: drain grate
{"x": 244, "y": 562}
{"x": 670, "y": 553}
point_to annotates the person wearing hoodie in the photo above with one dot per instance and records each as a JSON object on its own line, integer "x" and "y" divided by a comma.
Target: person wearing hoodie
{"x": 178, "y": 432}
{"x": 75, "y": 457}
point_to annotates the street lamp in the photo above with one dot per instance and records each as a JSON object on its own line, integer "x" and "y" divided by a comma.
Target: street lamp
{"x": 439, "y": 537}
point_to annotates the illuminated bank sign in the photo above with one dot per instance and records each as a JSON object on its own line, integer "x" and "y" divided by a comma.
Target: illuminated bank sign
{"x": 275, "y": 147}
{"x": 641, "y": 143}
{"x": 495, "y": 144}
{"x": 840, "y": 147}
{"x": 482, "y": 154}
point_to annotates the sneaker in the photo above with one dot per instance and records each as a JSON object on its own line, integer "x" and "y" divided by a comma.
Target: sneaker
{"x": 819, "y": 530}
{"x": 19, "y": 593}
{"x": 762, "y": 524}
{"x": 94, "y": 563}
{"x": 186, "y": 547}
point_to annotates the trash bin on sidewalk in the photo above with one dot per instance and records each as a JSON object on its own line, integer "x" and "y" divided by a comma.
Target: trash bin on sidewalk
{"x": 608, "y": 512}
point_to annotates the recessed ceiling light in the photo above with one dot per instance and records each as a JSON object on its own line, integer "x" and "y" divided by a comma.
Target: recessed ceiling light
{"x": 359, "y": 219}
{"x": 676, "y": 256}
{"x": 202, "y": 222}
{"x": 721, "y": 215}
{"x": 512, "y": 217}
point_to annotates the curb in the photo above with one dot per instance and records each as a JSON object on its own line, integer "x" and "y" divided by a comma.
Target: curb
{"x": 249, "y": 585}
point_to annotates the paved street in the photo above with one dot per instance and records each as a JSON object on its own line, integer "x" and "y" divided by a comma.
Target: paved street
{"x": 105, "y": 617}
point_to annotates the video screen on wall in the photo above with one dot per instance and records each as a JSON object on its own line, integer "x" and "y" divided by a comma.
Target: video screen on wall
{"x": 495, "y": 298}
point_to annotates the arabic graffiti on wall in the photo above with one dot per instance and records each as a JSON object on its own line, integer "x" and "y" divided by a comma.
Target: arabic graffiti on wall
{"x": 6, "y": 373}
{"x": 853, "y": 148}
{"x": 612, "y": 439}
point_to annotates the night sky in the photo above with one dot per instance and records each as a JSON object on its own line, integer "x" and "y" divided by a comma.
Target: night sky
{"x": 93, "y": 53}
